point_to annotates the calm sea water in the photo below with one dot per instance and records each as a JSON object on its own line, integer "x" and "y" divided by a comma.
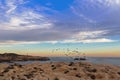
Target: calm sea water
{"x": 96, "y": 60}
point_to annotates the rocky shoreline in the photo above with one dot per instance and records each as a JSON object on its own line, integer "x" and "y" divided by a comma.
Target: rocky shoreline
{"x": 59, "y": 71}
{"x": 9, "y": 57}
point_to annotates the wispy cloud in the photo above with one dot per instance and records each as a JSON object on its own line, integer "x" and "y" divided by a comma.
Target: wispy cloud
{"x": 84, "y": 21}
{"x": 11, "y": 42}
{"x": 11, "y": 5}
{"x": 89, "y": 34}
{"x": 17, "y": 42}
{"x": 101, "y": 14}
{"x": 101, "y": 40}
{"x": 27, "y": 19}
{"x": 75, "y": 11}
{"x": 89, "y": 37}
{"x": 80, "y": 37}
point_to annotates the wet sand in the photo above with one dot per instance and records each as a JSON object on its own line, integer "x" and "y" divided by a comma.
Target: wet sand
{"x": 59, "y": 71}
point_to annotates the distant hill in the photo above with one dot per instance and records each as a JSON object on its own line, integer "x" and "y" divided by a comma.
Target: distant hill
{"x": 7, "y": 57}
{"x": 9, "y": 54}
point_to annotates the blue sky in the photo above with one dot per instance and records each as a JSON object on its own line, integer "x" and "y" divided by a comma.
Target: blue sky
{"x": 40, "y": 24}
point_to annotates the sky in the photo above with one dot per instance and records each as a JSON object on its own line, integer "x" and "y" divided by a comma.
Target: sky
{"x": 37, "y": 27}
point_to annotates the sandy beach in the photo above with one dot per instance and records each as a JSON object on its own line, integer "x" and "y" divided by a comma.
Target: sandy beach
{"x": 59, "y": 71}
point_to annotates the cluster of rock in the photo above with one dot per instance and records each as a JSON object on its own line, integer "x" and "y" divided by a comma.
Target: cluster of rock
{"x": 59, "y": 71}
{"x": 8, "y": 57}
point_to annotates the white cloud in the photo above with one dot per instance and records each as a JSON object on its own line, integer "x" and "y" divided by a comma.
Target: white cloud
{"x": 17, "y": 42}
{"x": 101, "y": 40}
{"x": 81, "y": 37}
{"x": 11, "y": 5}
{"x": 11, "y": 9}
{"x": 81, "y": 15}
{"x": 89, "y": 34}
{"x": 93, "y": 11}
{"x": 26, "y": 21}
{"x": 89, "y": 37}
{"x": 11, "y": 42}
{"x": 111, "y": 2}
{"x": 108, "y": 3}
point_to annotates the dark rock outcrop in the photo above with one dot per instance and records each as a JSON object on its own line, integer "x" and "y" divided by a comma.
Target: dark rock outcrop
{"x": 8, "y": 57}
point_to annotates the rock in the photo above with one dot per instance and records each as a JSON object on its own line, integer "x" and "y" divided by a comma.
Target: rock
{"x": 30, "y": 75}
{"x": 71, "y": 64}
{"x": 75, "y": 69}
{"x": 9, "y": 57}
{"x": 78, "y": 75}
{"x": 66, "y": 72}
{"x": 56, "y": 78}
{"x": 119, "y": 73}
{"x": 93, "y": 77}
{"x": 1, "y": 74}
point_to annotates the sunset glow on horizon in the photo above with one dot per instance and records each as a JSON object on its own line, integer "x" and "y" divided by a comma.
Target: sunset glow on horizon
{"x": 48, "y": 49}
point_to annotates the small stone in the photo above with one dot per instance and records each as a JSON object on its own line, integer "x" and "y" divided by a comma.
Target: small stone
{"x": 56, "y": 78}
{"x": 74, "y": 68}
{"x": 119, "y": 73}
{"x": 92, "y": 77}
{"x": 66, "y": 72}
{"x": 71, "y": 64}
{"x": 78, "y": 75}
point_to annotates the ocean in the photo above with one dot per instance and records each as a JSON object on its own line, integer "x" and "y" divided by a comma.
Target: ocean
{"x": 96, "y": 60}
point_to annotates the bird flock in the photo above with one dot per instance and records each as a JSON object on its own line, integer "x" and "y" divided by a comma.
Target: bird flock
{"x": 76, "y": 53}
